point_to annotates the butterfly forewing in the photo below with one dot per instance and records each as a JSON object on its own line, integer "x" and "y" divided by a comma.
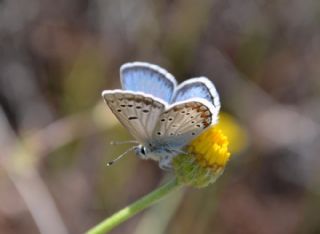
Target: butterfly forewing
{"x": 137, "y": 112}
{"x": 182, "y": 122}
{"x": 149, "y": 79}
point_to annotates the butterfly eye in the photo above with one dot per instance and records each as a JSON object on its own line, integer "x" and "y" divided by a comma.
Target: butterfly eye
{"x": 143, "y": 150}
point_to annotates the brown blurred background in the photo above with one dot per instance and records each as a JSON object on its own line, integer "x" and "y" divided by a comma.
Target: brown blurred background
{"x": 57, "y": 56}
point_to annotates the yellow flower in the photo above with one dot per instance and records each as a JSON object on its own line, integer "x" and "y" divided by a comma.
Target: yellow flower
{"x": 211, "y": 149}
{"x": 205, "y": 160}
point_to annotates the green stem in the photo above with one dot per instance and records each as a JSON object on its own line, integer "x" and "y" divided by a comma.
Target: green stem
{"x": 129, "y": 211}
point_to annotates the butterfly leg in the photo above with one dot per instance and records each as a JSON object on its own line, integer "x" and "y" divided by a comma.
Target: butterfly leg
{"x": 165, "y": 163}
{"x": 144, "y": 157}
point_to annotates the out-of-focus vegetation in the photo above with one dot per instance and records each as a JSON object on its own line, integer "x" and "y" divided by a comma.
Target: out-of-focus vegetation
{"x": 57, "y": 56}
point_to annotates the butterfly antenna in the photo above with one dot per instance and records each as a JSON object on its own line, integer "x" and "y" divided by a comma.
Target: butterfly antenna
{"x": 120, "y": 156}
{"x": 123, "y": 142}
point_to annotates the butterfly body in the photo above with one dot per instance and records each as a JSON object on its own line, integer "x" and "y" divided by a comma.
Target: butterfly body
{"x": 162, "y": 116}
{"x": 157, "y": 153}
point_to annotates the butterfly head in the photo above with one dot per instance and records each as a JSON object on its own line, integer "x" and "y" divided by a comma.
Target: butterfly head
{"x": 142, "y": 151}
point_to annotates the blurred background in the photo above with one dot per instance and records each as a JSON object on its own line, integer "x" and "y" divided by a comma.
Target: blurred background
{"x": 57, "y": 56}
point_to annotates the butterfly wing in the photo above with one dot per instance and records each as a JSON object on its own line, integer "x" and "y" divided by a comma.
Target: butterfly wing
{"x": 148, "y": 78}
{"x": 200, "y": 87}
{"x": 183, "y": 121}
{"x": 138, "y": 112}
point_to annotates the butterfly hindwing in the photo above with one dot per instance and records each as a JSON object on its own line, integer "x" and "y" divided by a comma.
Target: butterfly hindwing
{"x": 149, "y": 79}
{"x": 200, "y": 87}
{"x": 182, "y": 122}
{"x": 139, "y": 113}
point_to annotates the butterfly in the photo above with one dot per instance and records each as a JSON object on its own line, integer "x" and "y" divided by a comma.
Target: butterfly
{"x": 161, "y": 115}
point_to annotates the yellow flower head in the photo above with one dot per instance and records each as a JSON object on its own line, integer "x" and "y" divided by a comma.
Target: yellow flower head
{"x": 205, "y": 160}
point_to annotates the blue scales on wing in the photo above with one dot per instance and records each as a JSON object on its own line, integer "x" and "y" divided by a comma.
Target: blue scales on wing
{"x": 197, "y": 88}
{"x": 149, "y": 79}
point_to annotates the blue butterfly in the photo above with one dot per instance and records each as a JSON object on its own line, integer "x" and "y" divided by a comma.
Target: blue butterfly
{"x": 161, "y": 115}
